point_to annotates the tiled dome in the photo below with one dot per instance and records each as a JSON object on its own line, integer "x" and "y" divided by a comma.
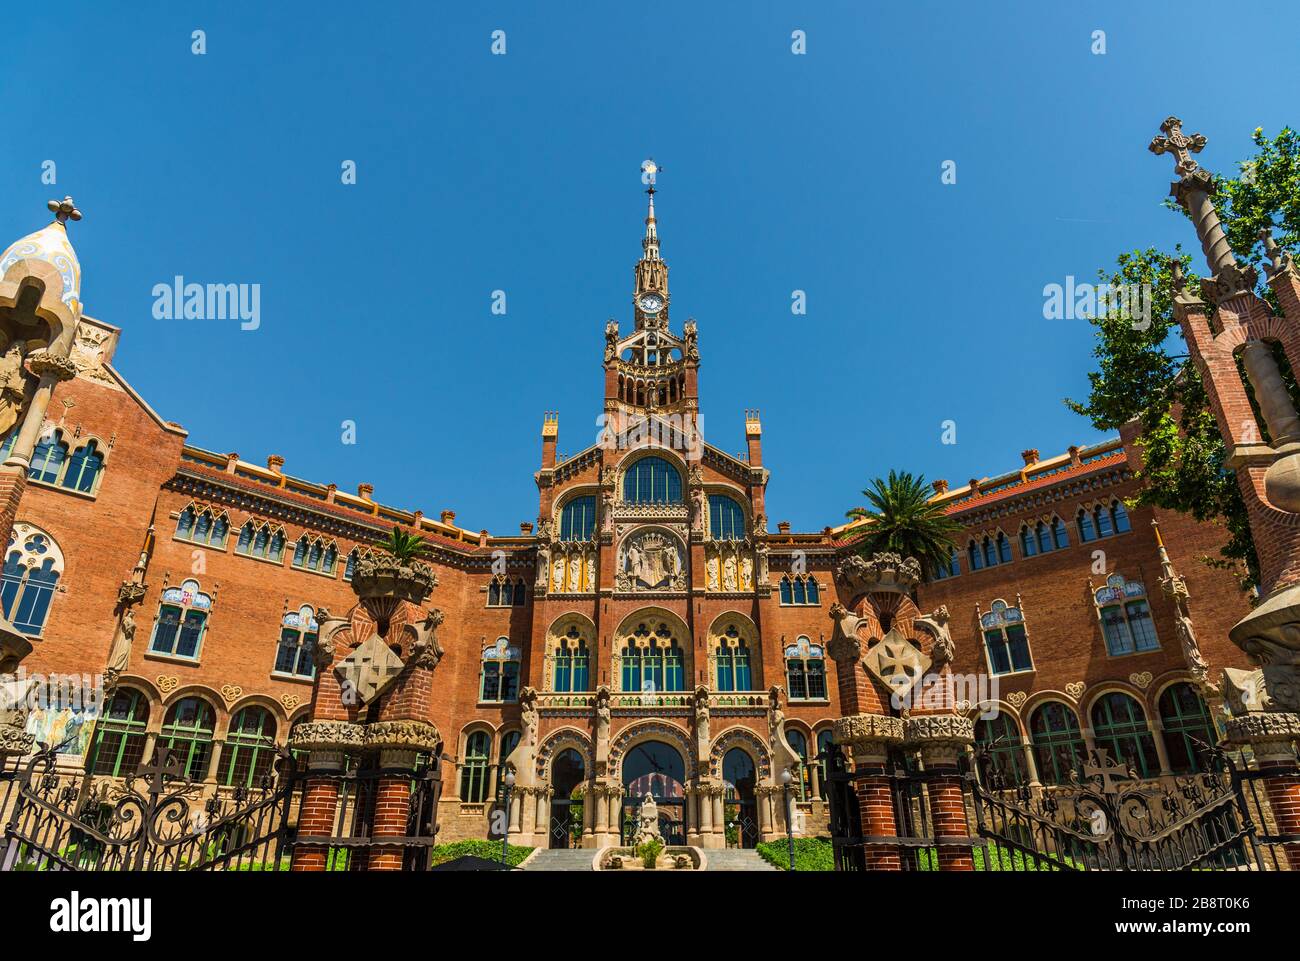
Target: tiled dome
{"x": 51, "y": 245}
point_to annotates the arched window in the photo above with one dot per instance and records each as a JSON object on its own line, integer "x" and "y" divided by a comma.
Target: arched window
{"x": 731, "y": 657}
{"x": 506, "y": 592}
{"x": 950, "y": 569}
{"x": 1000, "y": 736}
{"x": 1120, "y": 726}
{"x": 1060, "y": 536}
{"x": 499, "y": 678}
{"x": 351, "y": 563}
{"x": 1028, "y": 541}
{"x": 84, "y": 468}
{"x": 800, "y": 590}
{"x": 801, "y": 779}
{"x": 187, "y": 730}
{"x": 261, "y": 541}
{"x": 249, "y": 750}
{"x": 1087, "y": 529}
{"x": 974, "y": 556}
{"x": 120, "y": 734}
{"x": 1058, "y": 742}
{"x": 298, "y": 634}
{"x": 1125, "y": 616}
{"x": 1005, "y": 639}
{"x": 805, "y": 671}
{"x": 1119, "y": 518}
{"x": 578, "y": 519}
{"x": 315, "y": 555}
{"x": 48, "y": 458}
{"x": 1004, "y": 549}
{"x": 33, "y": 563}
{"x": 182, "y": 621}
{"x": 1188, "y": 729}
{"x": 473, "y": 769}
{"x": 571, "y": 670}
{"x": 509, "y": 741}
{"x": 825, "y": 745}
{"x": 202, "y": 527}
{"x": 652, "y": 480}
{"x": 726, "y": 519}
{"x": 652, "y": 661}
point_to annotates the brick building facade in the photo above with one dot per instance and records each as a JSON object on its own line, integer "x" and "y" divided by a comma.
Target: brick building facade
{"x": 651, "y": 634}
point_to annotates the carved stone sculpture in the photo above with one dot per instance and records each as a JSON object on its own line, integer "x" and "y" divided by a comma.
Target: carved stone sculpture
{"x": 936, "y": 625}
{"x": 119, "y": 655}
{"x": 13, "y": 386}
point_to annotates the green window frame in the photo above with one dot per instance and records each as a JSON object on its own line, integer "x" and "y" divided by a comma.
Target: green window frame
{"x": 474, "y": 768}
{"x": 499, "y": 673}
{"x": 1120, "y": 726}
{"x": 726, "y": 518}
{"x": 249, "y": 751}
{"x": 578, "y": 518}
{"x": 1187, "y": 728}
{"x": 1001, "y": 736}
{"x": 652, "y": 480}
{"x": 121, "y": 734}
{"x": 187, "y": 730}
{"x": 652, "y": 663}
{"x": 1059, "y": 747}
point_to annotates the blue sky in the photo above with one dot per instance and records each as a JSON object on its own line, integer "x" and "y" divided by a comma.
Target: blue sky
{"x": 520, "y": 172}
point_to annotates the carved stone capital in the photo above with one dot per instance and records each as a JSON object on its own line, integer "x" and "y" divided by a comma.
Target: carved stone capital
{"x": 404, "y": 735}
{"x": 882, "y": 572}
{"x": 14, "y": 740}
{"x": 43, "y": 364}
{"x": 328, "y": 735}
{"x": 941, "y": 738}
{"x": 1271, "y": 734}
{"x": 869, "y": 736}
{"x": 130, "y": 593}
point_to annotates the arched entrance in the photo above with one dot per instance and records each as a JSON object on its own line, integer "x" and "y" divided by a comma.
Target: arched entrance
{"x": 740, "y": 807}
{"x": 567, "y": 772}
{"x": 654, "y": 768}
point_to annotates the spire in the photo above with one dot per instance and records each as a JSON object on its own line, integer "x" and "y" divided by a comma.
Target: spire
{"x": 650, "y": 245}
{"x": 650, "y": 294}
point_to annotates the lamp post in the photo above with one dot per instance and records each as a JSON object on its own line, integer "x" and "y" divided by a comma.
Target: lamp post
{"x": 789, "y": 816}
{"x": 505, "y": 829}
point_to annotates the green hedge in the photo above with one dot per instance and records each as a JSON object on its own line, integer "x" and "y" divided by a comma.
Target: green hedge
{"x": 491, "y": 850}
{"x": 810, "y": 854}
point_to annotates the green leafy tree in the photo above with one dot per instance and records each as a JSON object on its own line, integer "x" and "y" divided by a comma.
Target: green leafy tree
{"x": 901, "y": 518}
{"x": 406, "y": 548}
{"x": 1143, "y": 370}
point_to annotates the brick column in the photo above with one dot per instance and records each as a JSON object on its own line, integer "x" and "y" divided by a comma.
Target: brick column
{"x": 942, "y": 739}
{"x": 328, "y": 743}
{"x": 400, "y": 744}
{"x": 869, "y": 737}
{"x": 1272, "y": 736}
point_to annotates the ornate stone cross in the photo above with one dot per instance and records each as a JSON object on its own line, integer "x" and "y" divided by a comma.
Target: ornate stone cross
{"x": 64, "y": 210}
{"x": 1176, "y": 143}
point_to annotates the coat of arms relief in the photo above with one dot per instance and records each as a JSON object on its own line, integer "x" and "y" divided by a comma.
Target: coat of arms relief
{"x": 649, "y": 561}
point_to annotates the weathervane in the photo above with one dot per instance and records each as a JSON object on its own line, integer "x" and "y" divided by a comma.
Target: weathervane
{"x": 64, "y": 210}
{"x": 649, "y": 170}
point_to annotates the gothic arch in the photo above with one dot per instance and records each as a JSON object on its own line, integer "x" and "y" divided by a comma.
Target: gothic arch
{"x": 559, "y": 740}
{"x": 652, "y": 617}
{"x": 742, "y": 737}
{"x": 643, "y": 731}
{"x": 557, "y": 634}
{"x": 747, "y": 632}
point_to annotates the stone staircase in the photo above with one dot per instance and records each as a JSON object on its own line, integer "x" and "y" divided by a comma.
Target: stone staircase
{"x": 561, "y": 859}
{"x": 735, "y": 859}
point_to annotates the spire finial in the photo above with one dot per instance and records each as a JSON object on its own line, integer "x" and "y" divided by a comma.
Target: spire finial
{"x": 64, "y": 210}
{"x": 650, "y": 245}
{"x": 1178, "y": 144}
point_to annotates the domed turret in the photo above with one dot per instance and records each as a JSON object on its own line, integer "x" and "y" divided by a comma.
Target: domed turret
{"x": 51, "y": 245}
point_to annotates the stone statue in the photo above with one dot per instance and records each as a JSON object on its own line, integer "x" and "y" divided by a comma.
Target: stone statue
{"x": 713, "y": 573}
{"x": 607, "y": 511}
{"x": 590, "y": 584}
{"x": 13, "y": 386}
{"x": 746, "y": 573}
{"x": 425, "y": 649}
{"x": 697, "y": 509}
{"x": 647, "y": 822}
{"x": 558, "y": 581}
{"x": 119, "y": 655}
{"x": 611, "y": 340}
{"x": 729, "y": 573}
{"x": 575, "y": 573}
{"x": 702, "y": 721}
{"x": 1196, "y": 663}
{"x": 543, "y": 565}
{"x": 760, "y": 552}
{"x": 528, "y": 715}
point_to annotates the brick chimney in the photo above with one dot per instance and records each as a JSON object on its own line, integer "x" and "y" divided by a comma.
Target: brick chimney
{"x": 231, "y": 460}
{"x": 330, "y": 491}
{"x": 275, "y": 462}
{"x": 365, "y": 490}
{"x": 783, "y": 527}
{"x": 1030, "y": 456}
{"x": 482, "y": 538}
{"x": 940, "y": 486}
{"x": 448, "y": 518}
{"x": 1075, "y": 459}
{"x": 525, "y": 528}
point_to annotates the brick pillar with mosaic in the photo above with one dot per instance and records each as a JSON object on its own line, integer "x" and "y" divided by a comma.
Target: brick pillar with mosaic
{"x": 1230, "y": 328}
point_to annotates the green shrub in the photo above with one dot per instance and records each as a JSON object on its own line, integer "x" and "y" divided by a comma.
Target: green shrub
{"x": 488, "y": 850}
{"x": 810, "y": 854}
{"x": 649, "y": 852}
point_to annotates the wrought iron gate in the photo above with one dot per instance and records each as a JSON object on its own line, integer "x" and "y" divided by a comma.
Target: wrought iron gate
{"x": 154, "y": 820}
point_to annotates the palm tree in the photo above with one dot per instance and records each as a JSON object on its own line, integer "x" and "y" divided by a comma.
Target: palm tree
{"x": 901, "y": 518}
{"x": 405, "y": 548}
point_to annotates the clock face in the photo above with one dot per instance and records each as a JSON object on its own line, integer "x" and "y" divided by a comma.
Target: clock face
{"x": 650, "y": 303}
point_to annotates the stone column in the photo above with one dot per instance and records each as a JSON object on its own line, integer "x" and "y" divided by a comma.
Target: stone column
{"x": 399, "y": 744}
{"x": 1273, "y": 736}
{"x": 869, "y": 737}
{"x": 328, "y": 744}
{"x": 718, "y": 802}
{"x": 942, "y": 739}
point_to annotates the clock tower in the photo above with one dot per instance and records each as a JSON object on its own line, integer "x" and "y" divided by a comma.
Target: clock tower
{"x": 652, "y": 369}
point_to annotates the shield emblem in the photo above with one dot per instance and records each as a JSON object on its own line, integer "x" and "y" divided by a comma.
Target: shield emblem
{"x": 652, "y": 564}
